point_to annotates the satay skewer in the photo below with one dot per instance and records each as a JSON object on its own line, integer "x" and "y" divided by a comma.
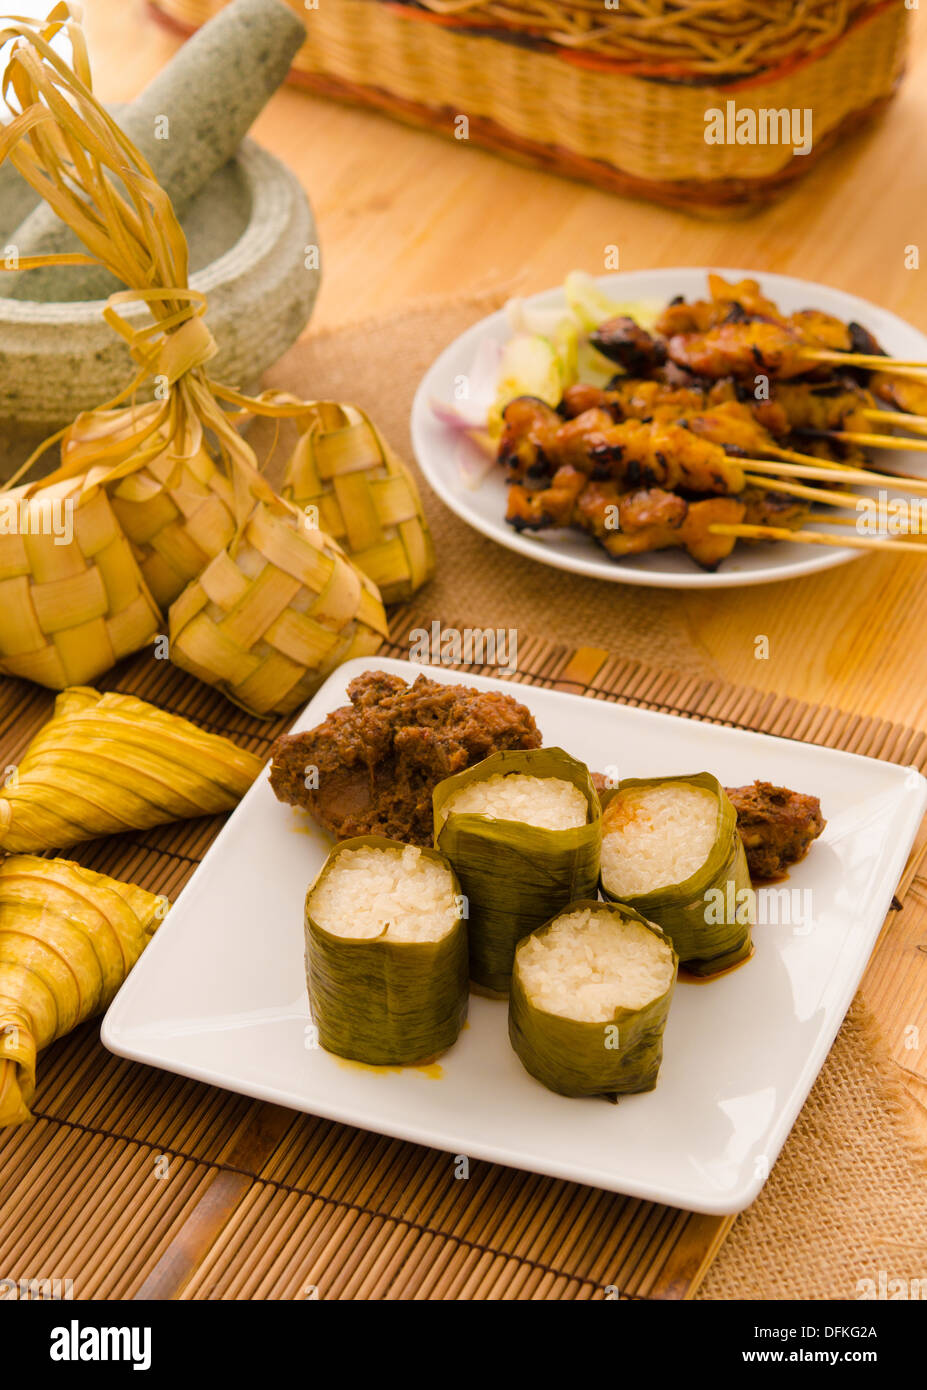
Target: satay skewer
{"x": 867, "y": 441}
{"x": 824, "y": 520}
{"x": 873, "y": 360}
{"x": 792, "y": 456}
{"x": 842, "y": 501}
{"x": 781, "y": 533}
{"x": 901, "y": 418}
{"x": 822, "y": 495}
{"x": 826, "y": 474}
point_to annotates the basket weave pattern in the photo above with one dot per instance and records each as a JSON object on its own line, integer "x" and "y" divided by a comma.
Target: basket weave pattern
{"x": 269, "y": 618}
{"x": 614, "y": 97}
{"x": 68, "y": 611}
{"x": 178, "y": 515}
{"x": 714, "y": 37}
{"x": 365, "y": 498}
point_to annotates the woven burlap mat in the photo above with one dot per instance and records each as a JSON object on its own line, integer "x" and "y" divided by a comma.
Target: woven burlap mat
{"x": 847, "y": 1201}
{"x": 377, "y": 364}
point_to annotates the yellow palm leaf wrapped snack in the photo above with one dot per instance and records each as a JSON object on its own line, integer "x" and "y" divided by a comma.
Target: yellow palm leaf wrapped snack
{"x": 203, "y": 532}
{"x": 175, "y": 507}
{"x": 68, "y": 939}
{"x": 109, "y": 763}
{"x": 363, "y": 496}
{"x": 73, "y": 601}
{"x": 272, "y": 615}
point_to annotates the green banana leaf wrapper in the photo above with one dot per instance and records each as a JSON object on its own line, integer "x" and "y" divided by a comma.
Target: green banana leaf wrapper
{"x": 386, "y": 1003}
{"x": 515, "y": 876}
{"x": 709, "y": 933}
{"x": 577, "y": 1058}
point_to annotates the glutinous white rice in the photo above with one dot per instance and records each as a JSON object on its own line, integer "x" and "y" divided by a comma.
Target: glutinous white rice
{"x": 548, "y": 802}
{"x": 397, "y": 894}
{"x": 591, "y": 962}
{"x": 655, "y": 836}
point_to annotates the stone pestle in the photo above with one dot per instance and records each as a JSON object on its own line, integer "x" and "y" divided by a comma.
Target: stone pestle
{"x": 188, "y": 122}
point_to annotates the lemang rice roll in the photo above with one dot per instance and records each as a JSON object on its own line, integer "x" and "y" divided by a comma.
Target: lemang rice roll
{"x": 386, "y": 952}
{"x": 590, "y": 995}
{"x": 671, "y": 849}
{"x": 522, "y": 830}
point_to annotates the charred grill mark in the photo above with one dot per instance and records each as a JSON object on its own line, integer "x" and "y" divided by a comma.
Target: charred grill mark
{"x": 826, "y": 389}
{"x": 861, "y": 340}
{"x": 613, "y": 453}
{"x": 737, "y": 313}
{"x": 521, "y": 523}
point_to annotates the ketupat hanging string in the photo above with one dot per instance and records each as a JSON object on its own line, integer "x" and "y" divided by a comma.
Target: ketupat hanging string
{"x": 170, "y": 509}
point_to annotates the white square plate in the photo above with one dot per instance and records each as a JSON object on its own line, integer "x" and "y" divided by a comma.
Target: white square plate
{"x": 220, "y": 993}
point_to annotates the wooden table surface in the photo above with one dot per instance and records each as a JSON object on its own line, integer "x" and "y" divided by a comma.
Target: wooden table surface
{"x": 405, "y": 215}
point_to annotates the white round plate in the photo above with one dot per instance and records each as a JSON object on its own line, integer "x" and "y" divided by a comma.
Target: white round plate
{"x": 435, "y": 443}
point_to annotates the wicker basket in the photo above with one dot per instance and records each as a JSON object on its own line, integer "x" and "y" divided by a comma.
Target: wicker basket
{"x": 617, "y": 97}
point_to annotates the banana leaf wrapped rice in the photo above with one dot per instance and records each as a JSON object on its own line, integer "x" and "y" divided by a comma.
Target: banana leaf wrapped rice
{"x": 590, "y": 995}
{"x": 386, "y": 953}
{"x": 523, "y": 831}
{"x": 671, "y": 849}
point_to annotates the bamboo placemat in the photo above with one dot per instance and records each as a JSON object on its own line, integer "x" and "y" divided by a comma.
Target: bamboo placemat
{"x": 136, "y": 1183}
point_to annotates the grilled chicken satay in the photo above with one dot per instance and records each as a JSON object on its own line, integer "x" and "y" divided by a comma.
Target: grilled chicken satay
{"x": 528, "y": 442}
{"x": 536, "y": 509}
{"x": 639, "y": 515}
{"x": 742, "y": 350}
{"x": 639, "y": 398}
{"x": 901, "y": 393}
{"x": 740, "y": 302}
{"x": 655, "y": 519}
{"x": 632, "y": 452}
{"x": 633, "y": 522}
{"x": 624, "y": 342}
{"x": 732, "y": 425}
{"x": 661, "y": 454}
{"x": 762, "y": 508}
{"x": 748, "y": 426}
{"x": 832, "y": 405}
{"x": 698, "y": 315}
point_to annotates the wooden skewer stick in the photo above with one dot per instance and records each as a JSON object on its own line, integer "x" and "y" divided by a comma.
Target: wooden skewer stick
{"x": 901, "y": 418}
{"x": 852, "y": 475}
{"x": 825, "y": 520}
{"x": 870, "y": 441}
{"x": 792, "y": 456}
{"x": 862, "y": 359}
{"x": 782, "y": 533}
{"x": 846, "y": 500}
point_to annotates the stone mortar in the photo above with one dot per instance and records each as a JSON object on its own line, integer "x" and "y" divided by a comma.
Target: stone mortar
{"x": 249, "y": 231}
